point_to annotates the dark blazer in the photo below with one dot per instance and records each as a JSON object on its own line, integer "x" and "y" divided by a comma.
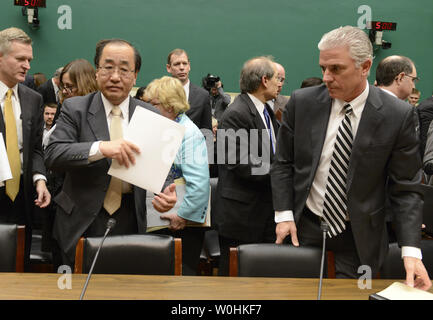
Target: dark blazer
{"x": 385, "y": 147}
{"x": 47, "y": 91}
{"x": 33, "y": 159}
{"x": 200, "y": 110}
{"x": 425, "y": 113}
{"x": 81, "y": 123}
{"x": 244, "y": 198}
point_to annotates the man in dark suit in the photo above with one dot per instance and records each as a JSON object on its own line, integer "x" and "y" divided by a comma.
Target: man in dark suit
{"x": 81, "y": 147}
{"x": 21, "y": 125}
{"x": 178, "y": 65}
{"x": 50, "y": 89}
{"x": 338, "y": 145}
{"x": 425, "y": 113}
{"x": 246, "y": 139}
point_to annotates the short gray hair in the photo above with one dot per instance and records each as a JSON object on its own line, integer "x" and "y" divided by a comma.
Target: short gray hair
{"x": 360, "y": 47}
{"x": 253, "y": 71}
{"x": 7, "y": 36}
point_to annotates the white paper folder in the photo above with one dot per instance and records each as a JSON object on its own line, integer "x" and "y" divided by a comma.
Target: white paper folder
{"x": 159, "y": 140}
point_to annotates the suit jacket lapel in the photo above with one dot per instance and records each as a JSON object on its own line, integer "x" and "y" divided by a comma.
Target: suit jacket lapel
{"x": 132, "y": 106}
{"x": 2, "y": 126}
{"x": 97, "y": 118}
{"x": 369, "y": 122}
{"x": 26, "y": 121}
{"x": 319, "y": 125}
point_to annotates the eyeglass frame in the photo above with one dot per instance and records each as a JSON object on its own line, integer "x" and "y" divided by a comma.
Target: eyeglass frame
{"x": 68, "y": 89}
{"x": 106, "y": 72}
{"x": 414, "y": 79}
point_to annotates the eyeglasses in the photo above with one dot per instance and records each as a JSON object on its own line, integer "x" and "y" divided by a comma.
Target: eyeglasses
{"x": 108, "y": 71}
{"x": 67, "y": 88}
{"x": 414, "y": 79}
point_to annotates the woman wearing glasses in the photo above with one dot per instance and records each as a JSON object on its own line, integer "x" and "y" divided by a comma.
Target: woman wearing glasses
{"x": 77, "y": 79}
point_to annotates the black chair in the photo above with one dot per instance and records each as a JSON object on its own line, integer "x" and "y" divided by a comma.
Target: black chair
{"x": 12, "y": 242}
{"x": 393, "y": 267}
{"x": 131, "y": 254}
{"x": 272, "y": 260}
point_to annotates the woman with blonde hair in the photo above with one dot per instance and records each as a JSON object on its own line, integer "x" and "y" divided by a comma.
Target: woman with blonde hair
{"x": 190, "y": 165}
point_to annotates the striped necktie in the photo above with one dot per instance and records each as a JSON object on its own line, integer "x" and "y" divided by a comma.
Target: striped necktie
{"x": 269, "y": 125}
{"x": 335, "y": 205}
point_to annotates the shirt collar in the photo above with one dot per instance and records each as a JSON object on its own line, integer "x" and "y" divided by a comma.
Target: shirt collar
{"x": 357, "y": 104}
{"x": 4, "y": 88}
{"x": 124, "y": 106}
{"x": 389, "y": 92}
{"x": 260, "y": 106}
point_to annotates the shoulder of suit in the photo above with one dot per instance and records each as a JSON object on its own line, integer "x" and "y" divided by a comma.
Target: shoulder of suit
{"x": 24, "y": 90}
{"x": 390, "y": 102}
{"x": 198, "y": 89}
{"x": 141, "y": 103}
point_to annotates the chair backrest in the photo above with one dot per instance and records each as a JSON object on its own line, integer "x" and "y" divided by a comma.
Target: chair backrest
{"x": 131, "y": 254}
{"x": 393, "y": 267}
{"x": 12, "y": 241}
{"x": 272, "y": 260}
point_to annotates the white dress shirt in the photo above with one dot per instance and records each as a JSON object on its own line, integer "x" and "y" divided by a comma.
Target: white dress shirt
{"x": 95, "y": 154}
{"x": 186, "y": 88}
{"x": 316, "y": 197}
{"x": 260, "y": 106}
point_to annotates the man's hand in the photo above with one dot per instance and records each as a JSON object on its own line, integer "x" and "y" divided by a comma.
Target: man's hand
{"x": 166, "y": 200}
{"x": 44, "y": 196}
{"x": 415, "y": 270}
{"x": 176, "y": 222}
{"x": 121, "y": 150}
{"x": 284, "y": 229}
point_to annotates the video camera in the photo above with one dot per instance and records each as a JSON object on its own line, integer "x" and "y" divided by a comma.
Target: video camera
{"x": 210, "y": 81}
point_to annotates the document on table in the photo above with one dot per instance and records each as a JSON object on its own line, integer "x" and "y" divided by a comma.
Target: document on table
{"x": 5, "y": 169}
{"x": 158, "y": 139}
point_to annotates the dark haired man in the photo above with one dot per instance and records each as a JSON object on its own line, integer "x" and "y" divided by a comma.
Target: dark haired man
{"x": 81, "y": 146}
{"x": 179, "y": 66}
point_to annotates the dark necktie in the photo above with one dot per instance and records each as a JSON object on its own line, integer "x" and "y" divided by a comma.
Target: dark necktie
{"x": 335, "y": 205}
{"x": 269, "y": 126}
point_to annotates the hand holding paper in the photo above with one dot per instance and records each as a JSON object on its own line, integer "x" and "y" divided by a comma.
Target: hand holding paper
{"x": 166, "y": 200}
{"x": 121, "y": 150}
{"x": 157, "y": 139}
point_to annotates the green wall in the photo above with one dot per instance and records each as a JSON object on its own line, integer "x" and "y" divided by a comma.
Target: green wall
{"x": 220, "y": 35}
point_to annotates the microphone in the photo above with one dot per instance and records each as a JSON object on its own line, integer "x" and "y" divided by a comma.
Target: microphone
{"x": 110, "y": 225}
{"x": 325, "y": 228}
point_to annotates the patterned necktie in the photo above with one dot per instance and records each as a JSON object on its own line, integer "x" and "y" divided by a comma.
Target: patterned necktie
{"x": 335, "y": 205}
{"x": 113, "y": 197}
{"x": 269, "y": 126}
{"x": 12, "y": 185}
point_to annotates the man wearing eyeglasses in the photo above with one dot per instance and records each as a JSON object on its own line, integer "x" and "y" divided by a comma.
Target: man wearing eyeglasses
{"x": 397, "y": 76}
{"x": 81, "y": 146}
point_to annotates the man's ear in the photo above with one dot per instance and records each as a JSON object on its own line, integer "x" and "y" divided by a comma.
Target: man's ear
{"x": 168, "y": 68}
{"x": 366, "y": 65}
{"x": 400, "y": 77}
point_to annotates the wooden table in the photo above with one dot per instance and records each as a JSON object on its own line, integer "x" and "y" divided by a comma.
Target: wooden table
{"x": 29, "y": 286}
